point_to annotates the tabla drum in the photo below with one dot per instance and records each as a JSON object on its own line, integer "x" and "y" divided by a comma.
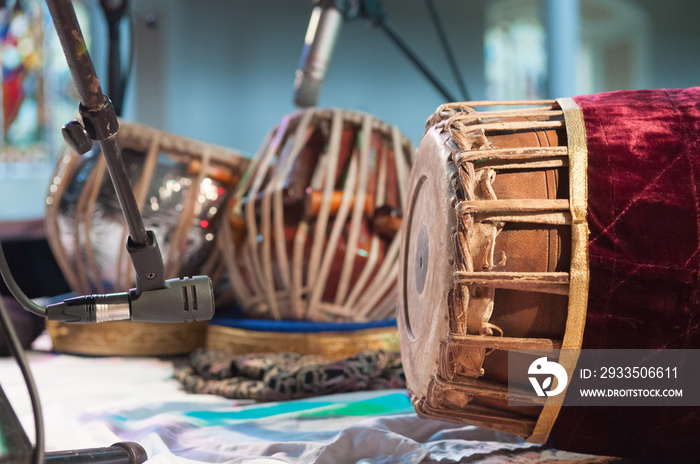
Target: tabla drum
{"x": 315, "y": 223}
{"x": 182, "y": 187}
{"x": 552, "y": 224}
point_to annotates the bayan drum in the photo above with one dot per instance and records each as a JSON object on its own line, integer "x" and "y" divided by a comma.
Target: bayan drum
{"x": 315, "y": 222}
{"x": 182, "y": 187}
{"x": 558, "y": 224}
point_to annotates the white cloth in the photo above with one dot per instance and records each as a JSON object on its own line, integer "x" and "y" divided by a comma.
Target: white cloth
{"x": 95, "y": 402}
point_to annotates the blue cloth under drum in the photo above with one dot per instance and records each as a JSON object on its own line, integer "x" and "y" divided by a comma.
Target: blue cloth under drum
{"x": 265, "y": 325}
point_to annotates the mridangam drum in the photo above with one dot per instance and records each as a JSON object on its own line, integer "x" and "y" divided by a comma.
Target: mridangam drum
{"x": 497, "y": 256}
{"x": 182, "y": 187}
{"x": 315, "y": 224}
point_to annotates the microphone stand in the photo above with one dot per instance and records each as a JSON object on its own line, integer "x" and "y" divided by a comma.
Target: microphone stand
{"x": 114, "y": 11}
{"x": 100, "y": 124}
{"x": 15, "y": 446}
{"x": 373, "y": 11}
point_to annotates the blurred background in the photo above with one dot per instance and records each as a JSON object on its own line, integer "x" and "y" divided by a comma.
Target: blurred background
{"x": 222, "y": 71}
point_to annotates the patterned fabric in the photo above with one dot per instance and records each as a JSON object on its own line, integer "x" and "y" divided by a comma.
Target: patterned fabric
{"x": 286, "y": 376}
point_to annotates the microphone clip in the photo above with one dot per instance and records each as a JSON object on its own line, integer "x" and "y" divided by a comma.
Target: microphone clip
{"x": 148, "y": 264}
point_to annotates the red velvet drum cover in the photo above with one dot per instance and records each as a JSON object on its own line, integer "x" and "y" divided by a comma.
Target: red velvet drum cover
{"x": 644, "y": 259}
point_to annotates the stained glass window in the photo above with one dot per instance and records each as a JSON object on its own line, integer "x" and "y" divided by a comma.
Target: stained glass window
{"x": 37, "y": 92}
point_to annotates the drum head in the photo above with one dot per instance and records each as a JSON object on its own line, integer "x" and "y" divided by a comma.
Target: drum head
{"x": 426, "y": 267}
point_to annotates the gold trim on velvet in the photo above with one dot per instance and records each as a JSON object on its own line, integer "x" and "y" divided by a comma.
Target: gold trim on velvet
{"x": 579, "y": 274}
{"x": 331, "y": 345}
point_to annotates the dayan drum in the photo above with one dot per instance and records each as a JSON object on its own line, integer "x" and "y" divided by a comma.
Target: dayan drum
{"x": 182, "y": 187}
{"x": 316, "y": 220}
{"x": 552, "y": 224}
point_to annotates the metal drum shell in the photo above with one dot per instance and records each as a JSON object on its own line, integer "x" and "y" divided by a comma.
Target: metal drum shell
{"x": 182, "y": 187}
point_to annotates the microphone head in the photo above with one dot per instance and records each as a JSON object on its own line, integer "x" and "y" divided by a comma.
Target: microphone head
{"x": 319, "y": 42}
{"x": 307, "y": 90}
{"x": 183, "y": 300}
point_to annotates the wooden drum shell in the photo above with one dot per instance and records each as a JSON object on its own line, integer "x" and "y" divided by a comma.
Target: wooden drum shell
{"x": 315, "y": 223}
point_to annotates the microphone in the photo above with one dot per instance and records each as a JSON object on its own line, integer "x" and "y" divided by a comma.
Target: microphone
{"x": 319, "y": 42}
{"x": 182, "y": 300}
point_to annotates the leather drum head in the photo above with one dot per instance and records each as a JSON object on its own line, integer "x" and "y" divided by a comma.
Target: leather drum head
{"x": 426, "y": 261}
